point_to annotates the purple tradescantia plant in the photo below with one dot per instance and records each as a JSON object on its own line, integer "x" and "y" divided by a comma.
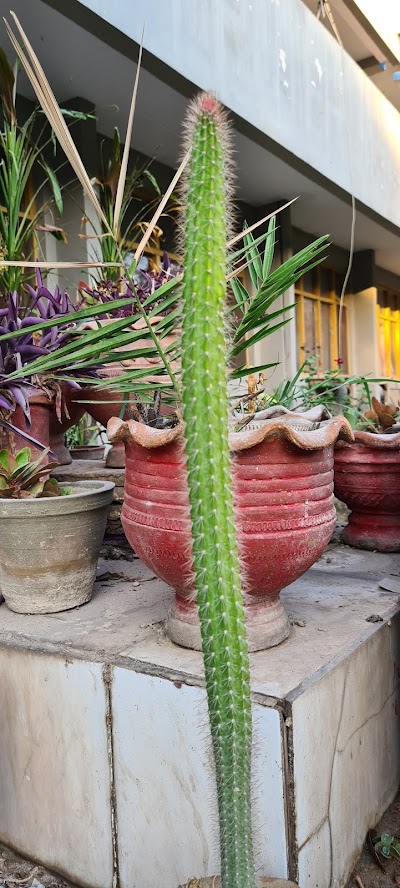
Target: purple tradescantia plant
{"x": 16, "y": 353}
{"x": 146, "y": 283}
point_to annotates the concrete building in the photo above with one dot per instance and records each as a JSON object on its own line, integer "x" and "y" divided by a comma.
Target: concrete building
{"x": 313, "y": 120}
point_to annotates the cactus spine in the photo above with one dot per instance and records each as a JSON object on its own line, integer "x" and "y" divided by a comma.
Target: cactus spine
{"x": 215, "y": 553}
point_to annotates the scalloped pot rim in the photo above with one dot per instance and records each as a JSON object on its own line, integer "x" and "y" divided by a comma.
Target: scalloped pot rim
{"x": 290, "y": 428}
{"x": 377, "y": 441}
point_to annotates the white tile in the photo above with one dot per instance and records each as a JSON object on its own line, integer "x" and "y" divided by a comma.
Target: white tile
{"x": 316, "y": 717}
{"x": 54, "y": 771}
{"x": 165, "y": 785}
{"x": 366, "y": 769}
{"x": 346, "y": 754}
{"x": 269, "y": 820}
{"x": 167, "y": 819}
{"x": 315, "y": 860}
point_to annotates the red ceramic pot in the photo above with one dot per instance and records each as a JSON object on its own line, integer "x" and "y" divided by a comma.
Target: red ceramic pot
{"x": 106, "y": 403}
{"x": 70, "y": 413}
{"x": 367, "y": 479}
{"x": 40, "y": 408}
{"x": 283, "y": 488}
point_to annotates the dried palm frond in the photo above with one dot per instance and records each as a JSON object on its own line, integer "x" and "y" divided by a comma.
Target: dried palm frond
{"x": 48, "y": 101}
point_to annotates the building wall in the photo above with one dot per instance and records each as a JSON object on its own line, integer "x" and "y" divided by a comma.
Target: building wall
{"x": 295, "y": 86}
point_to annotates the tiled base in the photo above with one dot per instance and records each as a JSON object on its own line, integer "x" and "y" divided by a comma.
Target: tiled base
{"x": 106, "y": 771}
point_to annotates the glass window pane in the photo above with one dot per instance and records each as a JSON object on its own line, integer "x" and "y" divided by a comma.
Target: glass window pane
{"x": 310, "y": 281}
{"x": 310, "y": 343}
{"x": 326, "y": 357}
{"x": 325, "y": 282}
{"x": 381, "y": 345}
{"x": 338, "y": 282}
{"x": 344, "y": 368}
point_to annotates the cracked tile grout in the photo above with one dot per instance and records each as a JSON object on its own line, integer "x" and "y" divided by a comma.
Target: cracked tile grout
{"x": 107, "y": 681}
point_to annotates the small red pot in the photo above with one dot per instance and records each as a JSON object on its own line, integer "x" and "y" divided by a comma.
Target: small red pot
{"x": 98, "y": 408}
{"x": 104, "y": 404}
{"x": 367, "y": 479}
{"x": 40, "y": 409}
{"x": 71, "y": 413}
{"x": 283, "y": 488}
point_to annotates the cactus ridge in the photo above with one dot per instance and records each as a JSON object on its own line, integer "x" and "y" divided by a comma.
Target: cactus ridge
{"x": 214, "y": 546}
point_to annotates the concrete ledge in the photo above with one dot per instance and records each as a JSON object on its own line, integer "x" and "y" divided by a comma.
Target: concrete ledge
{"x": 106, "y": 771}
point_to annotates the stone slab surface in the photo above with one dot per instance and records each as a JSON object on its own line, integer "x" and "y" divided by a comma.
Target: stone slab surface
{"x": 330, "y": 607}
{"x": 90, "y": 469}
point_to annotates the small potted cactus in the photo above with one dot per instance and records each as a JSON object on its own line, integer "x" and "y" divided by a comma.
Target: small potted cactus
{"x": 51, "y": 534}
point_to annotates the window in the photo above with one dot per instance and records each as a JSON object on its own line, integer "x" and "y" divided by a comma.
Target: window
{"x": 154, "y": 251}
{"x": 388, "y": 321}
{"x": 317, "y": 296}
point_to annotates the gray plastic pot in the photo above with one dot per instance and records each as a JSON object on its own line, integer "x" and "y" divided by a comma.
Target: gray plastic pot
{"x": 50, "y": 546}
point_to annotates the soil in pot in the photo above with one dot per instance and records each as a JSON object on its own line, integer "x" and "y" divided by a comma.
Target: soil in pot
{"x": 50, "y": 547}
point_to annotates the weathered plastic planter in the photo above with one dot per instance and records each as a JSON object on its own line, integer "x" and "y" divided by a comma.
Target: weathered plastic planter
{"x": 367, "y": 479}
{"x": 50, "y": 546}
{"x": 283, "y": 485}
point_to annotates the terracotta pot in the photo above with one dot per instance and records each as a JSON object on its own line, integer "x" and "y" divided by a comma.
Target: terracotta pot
{"x": 103, "y": 412}
{"x": 40, "y": 409}
{"x": 283, "y": 486}
{"x": 71, "y": 413}
{"x": 104, "y": 404}
{"x": 367, "y": 479}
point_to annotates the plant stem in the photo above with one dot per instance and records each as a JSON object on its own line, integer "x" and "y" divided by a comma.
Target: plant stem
{"x": 215, "y": 552}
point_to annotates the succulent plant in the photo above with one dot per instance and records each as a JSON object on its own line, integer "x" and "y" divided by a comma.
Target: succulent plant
{"x": 381, "y": 418}
{"x": 22, "y": 477}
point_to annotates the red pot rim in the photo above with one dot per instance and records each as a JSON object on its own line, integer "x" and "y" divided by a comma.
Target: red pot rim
{"x": 377, "y": 441}
{"x": 290, "y": 427}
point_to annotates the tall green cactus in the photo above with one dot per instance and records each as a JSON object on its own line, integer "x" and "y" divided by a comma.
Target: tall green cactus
{"x": 215, "y": 552}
